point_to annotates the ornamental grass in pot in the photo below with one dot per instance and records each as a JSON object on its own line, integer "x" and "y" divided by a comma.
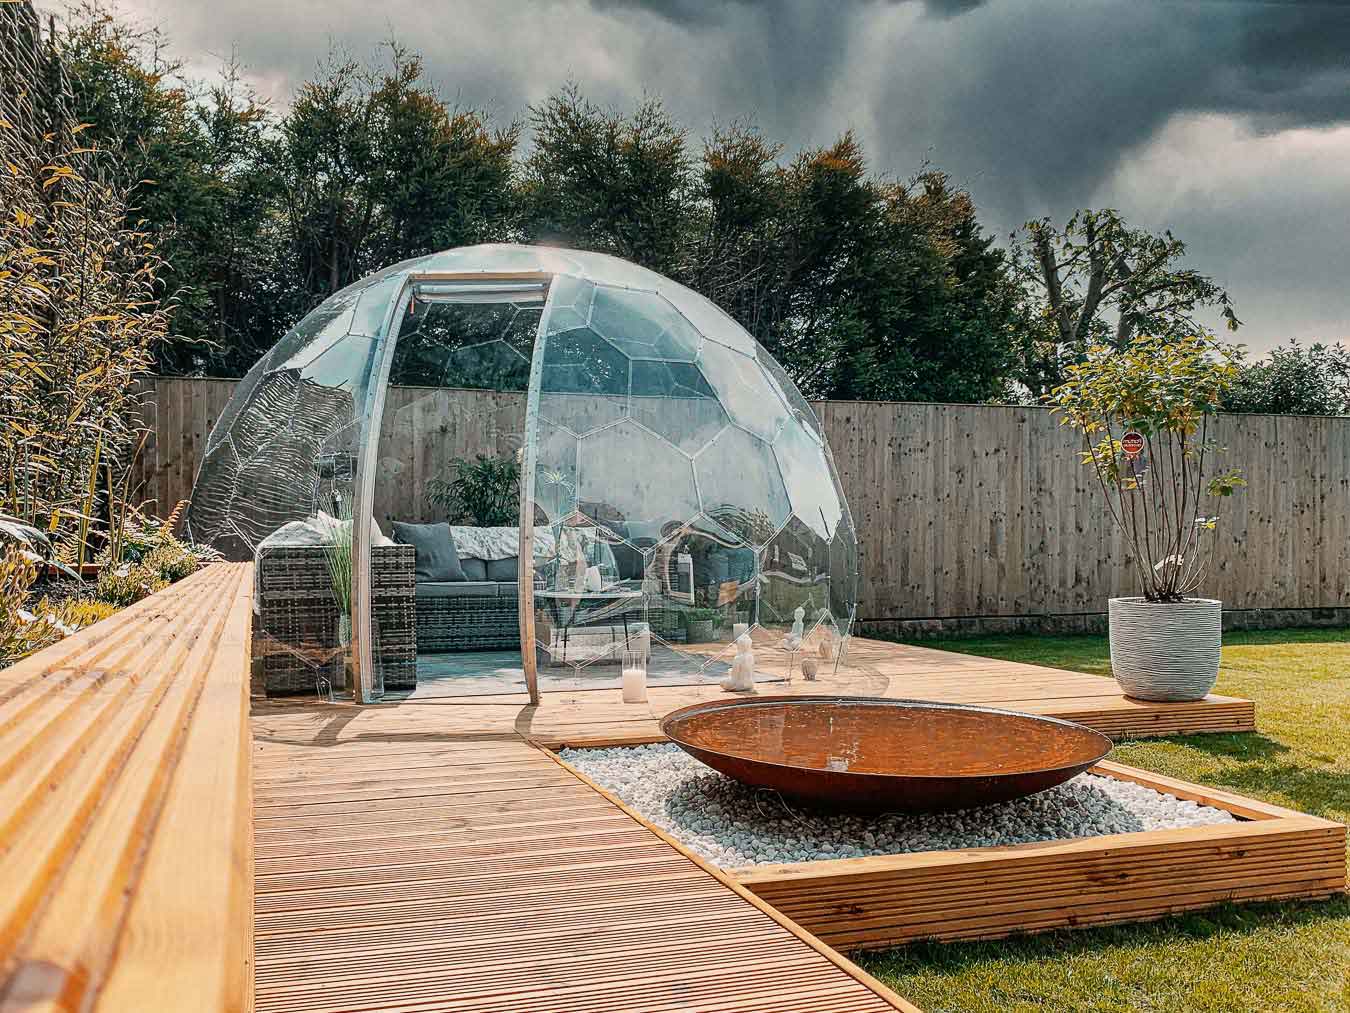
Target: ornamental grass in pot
{"x": 1146, "y": 415}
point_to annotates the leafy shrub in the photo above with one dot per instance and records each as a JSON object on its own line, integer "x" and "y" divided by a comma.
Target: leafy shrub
{"x": 1166, "y": 392}
{"x": 127, "y": 584}
{"x": 1294, "y": 380}
{"x": 24, "y": 630}
{"x": 76, "y": 613}
{"x": 31, "y": 544}
{"x": 17, "y": 574}
{"x": 484, "y": 491}
{"x": 172, "y": 560}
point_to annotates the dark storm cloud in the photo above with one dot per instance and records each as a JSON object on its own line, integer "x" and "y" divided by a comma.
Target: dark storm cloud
{"x": 705, "y": 11}
{"x": 1039, "y": 106}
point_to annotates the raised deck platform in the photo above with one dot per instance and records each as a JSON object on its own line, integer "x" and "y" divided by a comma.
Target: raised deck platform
{"x": 875, "y": 668}
{"x": 423, "y": 854}
{"x": 420, "y": 856}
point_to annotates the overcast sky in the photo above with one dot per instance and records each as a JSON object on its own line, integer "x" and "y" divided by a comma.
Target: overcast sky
{"x": 1227, "y": 121}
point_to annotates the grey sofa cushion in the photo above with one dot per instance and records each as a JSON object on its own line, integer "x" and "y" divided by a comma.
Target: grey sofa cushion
{"x": 457, "y": 589}
{"x": 474, "y": 569}
{"x": 437, "y": 559}
{"x": 503, "y": 569}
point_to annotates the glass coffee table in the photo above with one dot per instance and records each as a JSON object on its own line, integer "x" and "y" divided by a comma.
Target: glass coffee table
{"x": 569, "y": 609}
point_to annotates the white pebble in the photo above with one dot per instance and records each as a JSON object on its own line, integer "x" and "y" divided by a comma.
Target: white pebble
{"x": 730, "y": 824}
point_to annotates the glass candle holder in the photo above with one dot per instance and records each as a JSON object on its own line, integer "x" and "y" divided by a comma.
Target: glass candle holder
{"x": 634, "y": 677}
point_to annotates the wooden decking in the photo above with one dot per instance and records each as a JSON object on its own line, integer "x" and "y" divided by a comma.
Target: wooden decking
{"x": 417, "y": 856}
{"x": 1270, "y": 853}
{"x": 423, "y": 855}
{"x": 125, "y": 843}
{"x": 401, "y": 869}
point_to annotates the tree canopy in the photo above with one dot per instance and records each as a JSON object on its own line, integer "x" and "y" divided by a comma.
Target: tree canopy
{"x": 1294, "y": 380}
{"x": 863, "y": 285}
{"x": 1070, "y": 278}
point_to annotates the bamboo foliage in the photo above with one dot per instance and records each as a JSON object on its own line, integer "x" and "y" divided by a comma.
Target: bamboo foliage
{"x": 80, "y": 316}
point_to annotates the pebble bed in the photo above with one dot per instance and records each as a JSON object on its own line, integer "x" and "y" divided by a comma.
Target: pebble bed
{"x": 732, "y": 825}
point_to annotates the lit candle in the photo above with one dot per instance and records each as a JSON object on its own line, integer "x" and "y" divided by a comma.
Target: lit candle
{"x": 634, "y": 685}
{"x": 634, "y": 677}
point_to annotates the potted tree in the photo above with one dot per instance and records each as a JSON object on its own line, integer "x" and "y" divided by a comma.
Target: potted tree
{"x": 1145, "y": 415}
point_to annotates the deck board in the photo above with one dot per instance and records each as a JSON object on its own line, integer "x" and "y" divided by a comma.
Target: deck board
{"x": 875, "y": 668}
{"x": 481, "y": 875}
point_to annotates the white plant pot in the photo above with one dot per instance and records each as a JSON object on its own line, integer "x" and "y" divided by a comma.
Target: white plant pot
{"x": 1165, "y": 651}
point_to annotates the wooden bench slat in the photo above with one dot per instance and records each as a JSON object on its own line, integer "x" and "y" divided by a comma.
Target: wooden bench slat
{"x": 107, "y": 739}
{"x": 171, "y": 956}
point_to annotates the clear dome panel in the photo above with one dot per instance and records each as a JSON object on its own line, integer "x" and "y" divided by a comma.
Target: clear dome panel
{"x": 673, "y": 400}
{"x": 286, "y": 450}
{"x": 709, "y": 319}
{"x": 629, "y": 475}
{"x": 747, "y": 394}
{"x": 277, "y": 485}
{"x": 811, "y": 488}
{"x": 761, "y": 533}
{"x": 796, "y": 570}
{"x": 741, "y": 487}
{"x": 555, "y": 478}
{"x": 643, "y": 325}
{"x": 475, "y": 346}
{"x": 571, "y": 304}
{"x": 802, "y": 412}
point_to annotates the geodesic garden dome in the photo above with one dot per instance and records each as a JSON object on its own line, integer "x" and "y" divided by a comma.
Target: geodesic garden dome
{"x": 667, "y": 465}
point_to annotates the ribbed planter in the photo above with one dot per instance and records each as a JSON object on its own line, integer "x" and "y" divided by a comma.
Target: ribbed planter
{"x": 698, "y": 631}
{"x": 1165, "y": 652}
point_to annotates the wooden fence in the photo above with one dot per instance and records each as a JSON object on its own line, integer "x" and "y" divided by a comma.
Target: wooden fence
{"x": 963, "y": 511}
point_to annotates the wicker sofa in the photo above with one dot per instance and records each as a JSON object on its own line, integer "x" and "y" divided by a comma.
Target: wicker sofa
{"x": 296, "y": 639}
{"x": 468, "y": 616}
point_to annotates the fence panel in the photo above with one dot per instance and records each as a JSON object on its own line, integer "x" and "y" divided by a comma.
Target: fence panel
{"x": 962, "y": 510}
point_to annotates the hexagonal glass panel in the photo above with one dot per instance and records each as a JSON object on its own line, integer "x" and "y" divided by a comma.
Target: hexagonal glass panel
{"x": 674, "y": 400}
{"x": 740, "y": 486}
{"x": 815, "y": 497}
{"x": 750, "y": 399}
{"x": 626, "y": 474}
{"x": 555, "y": 473}
{"x": 583, "y": 382}
{"x": 643, "y": 325}
{"x": 802, "y": 412}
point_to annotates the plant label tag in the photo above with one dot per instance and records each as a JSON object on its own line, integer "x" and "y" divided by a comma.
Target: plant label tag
{"x": 1133, "y": 444}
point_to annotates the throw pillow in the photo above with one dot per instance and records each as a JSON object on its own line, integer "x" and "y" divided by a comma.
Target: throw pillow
{"x": 505, "y": 570}
{"x": 437, "y": 559}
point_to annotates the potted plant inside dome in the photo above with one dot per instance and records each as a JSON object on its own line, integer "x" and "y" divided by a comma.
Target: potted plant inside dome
{"x": 1145, "y": 413}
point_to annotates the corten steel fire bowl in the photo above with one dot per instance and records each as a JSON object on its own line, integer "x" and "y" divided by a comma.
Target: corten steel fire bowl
{"x": 884, "y": 755}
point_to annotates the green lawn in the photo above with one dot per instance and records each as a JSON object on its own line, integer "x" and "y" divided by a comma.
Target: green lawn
{"x": 1253, "y": 957}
